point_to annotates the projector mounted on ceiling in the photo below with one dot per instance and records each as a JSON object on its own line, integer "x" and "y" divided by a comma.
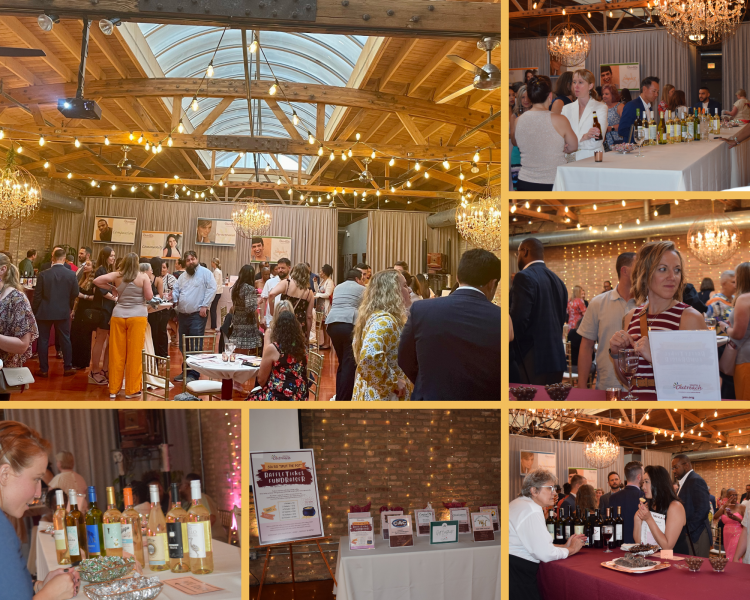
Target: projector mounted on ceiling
{"x": 79, "y": 107}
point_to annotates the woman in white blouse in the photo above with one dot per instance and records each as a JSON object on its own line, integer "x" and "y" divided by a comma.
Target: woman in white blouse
{"x": 529, "y": 540}
{"x": 216, "y": 270}
{"x": 581, "y": 114}
{"x": 325, "y": 291}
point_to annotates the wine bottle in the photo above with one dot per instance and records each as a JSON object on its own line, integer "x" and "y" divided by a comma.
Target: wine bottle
{"x": 652, "y": 132}
{"x": 597, "y": 525}
{"x": 199, "y": 534}
{"x": 551, "y": 523}
{"x": 75, "y": 527}
{"x": 579, "y": 527}
{"x": 94, "y": 535}
{"x": 599, "y": 127}
{"x": 619, "y": 522}
{"x": 58, "y": 520}
{"x": 112, "y": 526}
{"x": 674, "y": 126}
{"x": 177, "y": 535}
{"x": 559, "y": 531}
{"x": 609, "y": 529}
{"x": 568, "y": 529}
{"x": 637, "y": 124}
{"x": 697, "y": 126}
{"x": 132, "y": 539}
{"x": 662, "y": 130}
{"x": 156, "y": 533}
{"x": 717, "y": 122}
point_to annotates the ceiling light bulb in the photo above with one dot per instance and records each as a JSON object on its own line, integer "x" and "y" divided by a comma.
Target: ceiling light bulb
{"x": 132, "y": 188}
{"x": 221, "y": 183}
{"x": 194, "y": 105}
{"x": 93, "y": 183}
{"x": 253, "y": 47}
{"x": 390, "y": 162}
{"x": 19, "y": 149}
{"x": 426, "y": 175}
{"x": 310, "y": 138}
{"x": 343, "y": 155}
{"x": 2, "y": 133}
{"x": 461, "y": 176}
{"x": 527, "y": 205}
{"x": 534, "y": 5}
{"x": 373, "y": 155}
{"x": 70, "y": 175}
{"x": 676, "y": 202}
{"x": 563, "y": 12}
{"x": 76, "y": 143}
{"x": 158, "y": 148}
{"x": 357, "y": 136}
{"x": 169, "y": 141}
{"x": 476, "y": 157}
{"x": 638, "y": 221}
{"x": 278, "y": 181}
{"x": 589, "y": 15}
{"x": 408, "y": 183}
{"x": 180, "y": 127}
{"x": 184, "y": 188}
{"x": 716, "y": 414}
{"x": 131, "y": 136}
{"x": 656, "y": 213}
{"x": 151, "y": 188}
{"x": 273, "y": 89}
{"x": 349, "y": 153}
{"x": 446, "y": 164}
{"x": 320, "y": 151}
{"x": 46, "y": 165}
{"x": 610, "y": 14}
{"x": 393, "y": 189}
{"x": 41, "y": 140}
{"x": 210, "y": 190}
{"x": 210, "y": 70}
{"x": 147, "y": 146}
{"x": 114, "y": 187}
{"x": 46, "y": 22}
{"x": 417, "y": 166}
{"x": 106, "y": 140}
{"x": 594, "y": 206}
{"x": 231, "y": 170}
{"x": 140, "y": 138}
{"x": 268, "y": 168}
{"x": 333, "y": 156}
{"x": 295, "y": 118}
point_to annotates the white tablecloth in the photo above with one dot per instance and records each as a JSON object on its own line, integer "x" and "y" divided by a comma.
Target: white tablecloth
{"x": 227, "y": 571}
{"x": 707, "y": 165}
{"x": 215, "y": 368}
{"x": 225, "y": 300}
{"x": 468, "y": 570}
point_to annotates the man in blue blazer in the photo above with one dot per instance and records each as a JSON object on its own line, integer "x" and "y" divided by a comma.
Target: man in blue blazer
{"x": 569, "y": 504}
{"x": 646, "y": 102}
{"x": 628, "y": 499}
{"x": 693, "y": 494}
{"x": 450, "y": 347}
{"x": 705, "y": 101}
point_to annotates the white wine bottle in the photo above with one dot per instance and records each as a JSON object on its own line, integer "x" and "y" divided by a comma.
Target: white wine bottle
{"x": 76, "y": 530}
{"x": 199, "y": 534}
{"x": 177, "y": 518}
{"x": 61, "y": 539}
{"x": 112, "y": 527}
{"x": 132, "y": 539}
{"x": 652, "y": 133}
{"x": 156, "y": 534}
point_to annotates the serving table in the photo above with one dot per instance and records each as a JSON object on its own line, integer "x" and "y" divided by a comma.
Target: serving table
{"x": 213, "y": 367}
{"x": 227, "y": 571}
{"x": 466, "y": 569}
{"x": 581, "y": 577}
{"x": 708, "y": 165}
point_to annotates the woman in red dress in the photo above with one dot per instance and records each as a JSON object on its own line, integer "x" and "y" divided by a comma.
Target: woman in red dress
{"x": 658, "y": 282}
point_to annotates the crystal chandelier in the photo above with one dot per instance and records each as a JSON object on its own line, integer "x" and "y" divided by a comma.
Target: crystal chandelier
{"x": 714, "y": 240}
{"x": 20, "y": 194}
{"x": 569, "y": 44}
{"x": 602, "y": 449}
{"x": 699, "y": 22}
{"x": 478, "y": 222}
{"x": 252, "y": 220}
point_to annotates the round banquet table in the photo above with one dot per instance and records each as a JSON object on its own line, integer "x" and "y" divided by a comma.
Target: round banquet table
{"x": 213, "y": 367}
{"x": 581, "y": 577}
{"x": 227, "y": 571}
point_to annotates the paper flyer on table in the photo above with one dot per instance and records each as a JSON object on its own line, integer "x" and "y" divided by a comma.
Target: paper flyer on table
{"x": 423, "y": 517}
{"x": 192, "y": 586}
{"x": 686, "y": 365}
{"x": 462, "y": 516}
{"x": 361, "y": 534}
{"x": 287, "y": 504}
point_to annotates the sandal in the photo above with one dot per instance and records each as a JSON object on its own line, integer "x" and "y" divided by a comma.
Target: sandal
{"x": 97, "y": 379}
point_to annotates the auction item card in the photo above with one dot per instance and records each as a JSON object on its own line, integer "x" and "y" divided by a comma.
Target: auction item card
{"x": 358, "y": 515}
{"x": 443, "y": 532}
{"x": 423, "y": 517}
{"x": 192, "y": 586}
{"x": 686, "y": 365}
{"x": 400, "y": 532}
{"x": 361, "y": 534}
{"x": 493, "y": 510}
{"x": 481, "y": 525}
{"x": 384, "y": 520}
{"x": 462, "y": 516}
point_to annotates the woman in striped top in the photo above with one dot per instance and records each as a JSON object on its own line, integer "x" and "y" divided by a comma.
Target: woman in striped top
{"x": 658, "y": 282}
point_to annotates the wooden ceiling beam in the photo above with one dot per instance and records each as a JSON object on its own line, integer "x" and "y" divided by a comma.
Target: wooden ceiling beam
{"x": 74, "y": 47}
{"x": 101, "y": 41}
{"x": 375, "y": 126}
{"x": 457, "y": 74}
{"x": 411, "y": 128}
{"x": 396, "y": 63}
{"x": 211, "y": 117}
{"x": 430, "y": 67}
{"x": 576, "y": 9}
{"x": 606, "y": 422}
{"x": 284, "y": 120}
{"x": 14, "y": 66}
{"x": 27, "y": 37}
{"x": 320, "y": 121}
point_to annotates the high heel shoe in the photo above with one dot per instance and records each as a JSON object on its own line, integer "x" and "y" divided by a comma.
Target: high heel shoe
{"x": 97, "y": 379}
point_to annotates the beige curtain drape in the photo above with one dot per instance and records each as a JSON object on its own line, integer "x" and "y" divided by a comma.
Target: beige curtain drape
{"x": 735, "y": 65}
{"x": 313, "y": 230}
{"x": 89, "y": 434}
{"x": 662, "y": 459}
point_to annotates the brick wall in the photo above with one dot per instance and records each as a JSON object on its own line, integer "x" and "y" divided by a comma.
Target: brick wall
{"x": 401, "y": 458}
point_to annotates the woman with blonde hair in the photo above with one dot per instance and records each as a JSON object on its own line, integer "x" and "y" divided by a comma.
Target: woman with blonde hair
{"x": 741, "y": 108}
{"x": 296, "y": 289}
{"x": 739, "y": 332}
{"x": 666, "y": 94}
{"x": 24, "y": 454}
{"x": 658, "y": 282}
{"x": 380, "y": 320}
{"x": 581, "y": 114}
{"x": 128, "y": 325}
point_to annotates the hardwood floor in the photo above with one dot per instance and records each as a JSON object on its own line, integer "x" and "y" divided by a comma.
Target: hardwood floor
{"x": 309, "y": 590}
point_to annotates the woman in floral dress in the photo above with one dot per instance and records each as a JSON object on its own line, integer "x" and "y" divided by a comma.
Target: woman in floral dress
{"x": 245, "y": 332}
{"x": 381, "y": 317}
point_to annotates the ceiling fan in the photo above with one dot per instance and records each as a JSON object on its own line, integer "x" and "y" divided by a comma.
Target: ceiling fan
{"x": 21, "y": 52}
{"x": 485, "y": 78}
{"x": 365, "y": 176}
{"x": 125, "y": 164}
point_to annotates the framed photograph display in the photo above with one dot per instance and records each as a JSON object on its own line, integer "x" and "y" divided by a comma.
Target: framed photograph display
{"x": 443, "y": 532}
{"x": 400, "y": 532}
{"x": 461, "y": 516}
{"x": 215, "y": 232}
{"x": 163, "y": 244}
{"x": 270, "y": 249}
{"x": 114, "y": 230}
{"x": 423, "y": 517}
{"x": 532, "y": 460}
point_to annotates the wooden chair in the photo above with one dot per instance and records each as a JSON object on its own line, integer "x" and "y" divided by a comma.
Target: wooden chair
{"x": 238, "y": 519}
{"x": 199, "y": 344}
{"x": 569, "y": 376}
{"x": 225, "y": 518}
{"x": 314, "y": 373}
{"x": 223, "y": 313}
{"x": 157, "y": 368}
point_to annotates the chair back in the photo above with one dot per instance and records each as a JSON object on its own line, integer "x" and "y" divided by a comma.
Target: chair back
{"x": 569, "y": 376}
{"x": 155, "y": 371}
{"x": 197, "y": 344}
{"x": 314, "y": 372}
{"x": 238, "y": 518}
{"x": 223, "y": 313}
{"x": 225, "y": 518}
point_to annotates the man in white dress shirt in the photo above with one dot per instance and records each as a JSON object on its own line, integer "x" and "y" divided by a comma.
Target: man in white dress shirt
{"x": 283, "y": 267}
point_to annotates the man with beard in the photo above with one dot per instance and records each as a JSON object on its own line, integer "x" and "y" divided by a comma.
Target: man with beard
{"x": 192, "y": 294}
{"x": 84, "y": 254}
{"x": 283, "y": 267}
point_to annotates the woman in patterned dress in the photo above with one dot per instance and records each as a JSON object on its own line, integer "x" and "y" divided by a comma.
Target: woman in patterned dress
{"x": 611, "y": 97}
{"x": 17, "y": 323}
{"x": 245, "y": 332}
{"x": 381, "y": 317}
{"x": 658, "y": 281}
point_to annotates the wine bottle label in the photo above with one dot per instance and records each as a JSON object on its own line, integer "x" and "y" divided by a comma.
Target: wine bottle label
{"x": 551, "y": 529}
{"x": 597, "y": 533}
{"x": 567, "y": 531}
{"x": 59, "y": 539}
{"x": 73, "y": 545}
{"x": 652, "y": 132}
{"x": 578, "y": 529}
{"x": 176, "y": 543}
{"x": 559, "y": 534}
{"x": 618, "y": 532}
{"x": 92, "y": 539}
{"x": 127, "y": 538}
{"x": 199, "y": 539}
{"x": 157, "y": 548}
{"x": 608, "y": 529}
{"x": 112, "y": 536}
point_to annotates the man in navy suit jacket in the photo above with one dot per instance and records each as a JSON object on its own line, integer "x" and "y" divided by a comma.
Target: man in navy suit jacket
{"x": 569, "y": 504}
{"x": 627, "y": 499}
{"x": 646, "y": 103}
{"x": 693, "y": 494}
{"x": 450, "y": 347}
{"x": 705, "y": 101}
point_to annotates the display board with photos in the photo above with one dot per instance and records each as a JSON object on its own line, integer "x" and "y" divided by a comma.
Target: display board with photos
{"x": 533, "y": 459}
{"x": 114, "y": 230}
{"x": 285, "y": 492}
{"x": 621, "y": 75}
{"x": 587, "y": 472}
{"x": 215, "y": 232}
{"x": 270, "y": 249}
{"x": 162, "y": 244}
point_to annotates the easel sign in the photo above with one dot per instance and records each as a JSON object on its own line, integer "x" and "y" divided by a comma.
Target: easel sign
{"x": 287, "y": 504}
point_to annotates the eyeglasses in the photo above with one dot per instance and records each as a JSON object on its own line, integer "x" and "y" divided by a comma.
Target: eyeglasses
{"x": 551, "y": 487}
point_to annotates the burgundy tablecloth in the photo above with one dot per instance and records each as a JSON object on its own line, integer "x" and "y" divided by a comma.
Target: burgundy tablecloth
{"x": 581, "y": 577}
{"x": 575, "y": 393}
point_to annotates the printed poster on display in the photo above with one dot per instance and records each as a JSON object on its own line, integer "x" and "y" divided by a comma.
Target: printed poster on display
{"x": 495, "y": 513}
{"x": 361, "y": 533}
{"x": 686, "y": 365}
{"x": 482, "y": 527}
{"x": 423, "y": 517}
{"x": 215, "y": 232}
{"x": 162, "y": 244}
{"x": 462, "y": 516}
{"x": 287, "y": 503}
{"x": 587, "y": 472}
{"x": 114, "y": 230}
{"x": 400, "y": 532}
{"x": 443, "y": 532}
{"x": 621, "y": 75}
{"x": 270, "y": 249}
{"x": 519, "y": 75}
{"x": 384, "y": 520}
{"x": 532, "y": 460}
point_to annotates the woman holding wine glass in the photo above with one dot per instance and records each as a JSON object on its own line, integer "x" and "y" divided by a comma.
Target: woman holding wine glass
{"x": 660, "y": 500}
{"x": 658, "y": 282}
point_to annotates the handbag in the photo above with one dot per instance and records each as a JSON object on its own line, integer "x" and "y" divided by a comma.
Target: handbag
{"x": 92, "y": 317}
{"x": 728, "y": 359}
{"x": 15, "y": 379}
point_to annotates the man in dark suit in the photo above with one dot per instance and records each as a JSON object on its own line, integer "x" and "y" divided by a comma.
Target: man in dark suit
{"x": 613, "y": 480}
{"x": 627, "y": 499}
{"x": 54, "y": 295}
{"x": 538, "y": 311}
{"x": 48, "y": 263}
{"x": 705, "y": 101}
{"x": 693, "y": 493}
{"x": 647, "y": 103}
{"x": 569, "y": 504}
{"x": 450, "y": 347}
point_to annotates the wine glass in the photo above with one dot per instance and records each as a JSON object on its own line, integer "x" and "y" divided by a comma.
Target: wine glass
{"x": 629, "y": 366}
{"x": 710, "y": 323}
{"x": 640, "y": 137}
{"x": 607, "y": 535}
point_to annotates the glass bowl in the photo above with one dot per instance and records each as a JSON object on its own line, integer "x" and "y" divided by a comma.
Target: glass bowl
{"x": 718, "y": 563}
{"x": 103, "y": 569}
{"x": 523, "y": 393}
{"x": 694, "y": 563}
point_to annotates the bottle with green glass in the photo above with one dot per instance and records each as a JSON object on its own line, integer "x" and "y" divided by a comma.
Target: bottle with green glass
{"x": 75, "y": 526}
{"x": 662, "y": 130}
{"x": 94, "y": 522}
{"x": 697, "y": 126}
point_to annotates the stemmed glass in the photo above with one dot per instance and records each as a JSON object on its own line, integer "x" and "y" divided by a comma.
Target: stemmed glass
{"x": 640, "y": 137}
{"x": 710, "y": 323}
{"x": 629, "y": 366}
{"x": 607, "y": 535}
{"x": 230, "y": 350}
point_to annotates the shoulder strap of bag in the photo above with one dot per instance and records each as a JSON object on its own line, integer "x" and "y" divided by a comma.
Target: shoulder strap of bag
{"x": 643, "y": 318}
